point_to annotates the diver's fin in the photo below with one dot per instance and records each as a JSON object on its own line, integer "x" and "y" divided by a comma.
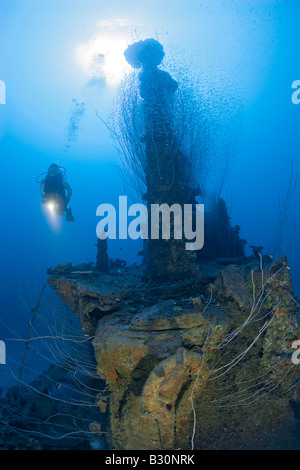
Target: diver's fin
{"x": 69, "y": 215}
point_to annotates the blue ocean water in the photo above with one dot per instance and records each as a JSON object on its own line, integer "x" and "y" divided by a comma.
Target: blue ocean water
{"x": 242, "y": 54}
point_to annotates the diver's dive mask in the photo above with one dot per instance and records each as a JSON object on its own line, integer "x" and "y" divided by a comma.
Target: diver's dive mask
{"x": 53, "y": 170}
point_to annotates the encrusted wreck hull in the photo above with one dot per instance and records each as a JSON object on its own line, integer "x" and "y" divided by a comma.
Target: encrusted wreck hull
{"x": 206, "y": 363}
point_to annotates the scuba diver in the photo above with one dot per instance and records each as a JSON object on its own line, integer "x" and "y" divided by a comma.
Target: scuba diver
{"x": 56, "y": 191}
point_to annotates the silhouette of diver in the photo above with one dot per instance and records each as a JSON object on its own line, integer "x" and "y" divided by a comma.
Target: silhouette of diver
{"x": 56, "y": 191}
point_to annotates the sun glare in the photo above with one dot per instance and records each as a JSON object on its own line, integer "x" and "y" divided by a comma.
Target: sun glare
{"x": 102, "y": 57}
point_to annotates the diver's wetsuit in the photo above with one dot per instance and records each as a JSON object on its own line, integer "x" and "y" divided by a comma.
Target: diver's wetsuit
{"x": 54, "y": 188}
